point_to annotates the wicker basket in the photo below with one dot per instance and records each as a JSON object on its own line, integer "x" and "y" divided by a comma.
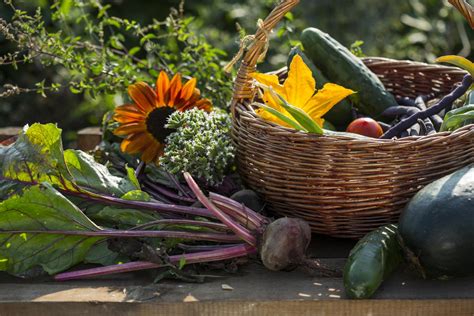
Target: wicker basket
{"x": 344, "y": 187}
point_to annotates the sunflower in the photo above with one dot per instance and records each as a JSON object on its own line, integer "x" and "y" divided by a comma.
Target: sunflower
{"x": 143, "y": 121}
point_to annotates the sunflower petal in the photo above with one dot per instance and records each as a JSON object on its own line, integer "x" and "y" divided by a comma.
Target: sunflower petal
{"x": 125, "y": 119}
{"x": 300, "y": 84}
{"x": 136, "y": 143}
{"x": 188, "y": 89}
{"x": 162, "y": 86}
{"x": 128, "y": 108}
{"x": 151, "y": 152}
{"x": 131, "y": 128}
{"x": 174, "y": 90}
{"x": 204, "y": 104}
{"x": 128, "y": 113}
{"x": 325, "y": 99}
{"x": 143, "y": 96}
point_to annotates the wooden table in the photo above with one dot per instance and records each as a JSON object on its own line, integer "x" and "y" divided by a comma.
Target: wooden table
{"x": 251, "y": 291}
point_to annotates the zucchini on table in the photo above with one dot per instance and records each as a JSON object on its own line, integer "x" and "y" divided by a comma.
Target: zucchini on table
{"x": 371, "y": 261}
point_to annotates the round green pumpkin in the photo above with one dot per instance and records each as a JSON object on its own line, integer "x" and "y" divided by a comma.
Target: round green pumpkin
{"x": 436, "y": 228}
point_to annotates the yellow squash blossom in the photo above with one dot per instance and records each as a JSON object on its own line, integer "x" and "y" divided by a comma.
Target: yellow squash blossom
{"x": 299, "y": 90}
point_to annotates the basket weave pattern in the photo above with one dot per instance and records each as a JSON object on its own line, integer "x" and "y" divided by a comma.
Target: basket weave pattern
{"x": 345, "y": 187}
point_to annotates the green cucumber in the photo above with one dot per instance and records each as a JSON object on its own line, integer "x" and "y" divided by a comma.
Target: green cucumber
{"x": 328, "y": 125}
{"x": 371, "y": 261}
{"x": 340, "y": 66}
{"x": 341, "y": 114}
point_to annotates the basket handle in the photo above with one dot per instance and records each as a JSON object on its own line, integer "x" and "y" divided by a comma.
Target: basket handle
{"x": 466, "y": 9}
{"x": 242, "y": 85}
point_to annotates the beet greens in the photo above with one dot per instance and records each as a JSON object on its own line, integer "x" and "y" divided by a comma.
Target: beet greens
{"x": 62, "y": 208}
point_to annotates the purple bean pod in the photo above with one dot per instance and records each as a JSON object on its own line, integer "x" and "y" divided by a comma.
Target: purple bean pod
{"x": 444, "y": 103}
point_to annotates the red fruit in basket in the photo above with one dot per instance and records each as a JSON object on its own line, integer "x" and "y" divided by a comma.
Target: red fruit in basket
{"x": 365, "y": 126}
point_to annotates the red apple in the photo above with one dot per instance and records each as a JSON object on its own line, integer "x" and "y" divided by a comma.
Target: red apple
{"x": 365, "y": 126}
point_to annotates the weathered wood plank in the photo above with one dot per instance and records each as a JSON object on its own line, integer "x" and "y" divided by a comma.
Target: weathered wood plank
{"x": 8, "y": 132}
{"x": 260, "y": 308}
{"x": 88, "y": 138}
{"x": 251, "y": 283}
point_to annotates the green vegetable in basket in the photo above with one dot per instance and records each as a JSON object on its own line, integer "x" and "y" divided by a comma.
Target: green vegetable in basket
{"x": 458, "y": 118}
{"x": 340, "y": 66}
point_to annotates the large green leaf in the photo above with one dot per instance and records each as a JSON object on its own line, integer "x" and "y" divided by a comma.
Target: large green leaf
{"x": 89, "y": 174}
{"x": 37, "y": 156}
{"x": 123, "y": 218}
{"x": 101, "y": 254}
{"x": 24, "y": 217}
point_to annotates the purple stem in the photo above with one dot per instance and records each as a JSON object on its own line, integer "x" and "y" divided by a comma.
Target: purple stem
{"x": 216, "y": 237}
{"x": 247, "y": 222}
{"x": 167, "y": 192}
{"x": 199, "y": 248}
{"x": 156, "y": 195}
{"x": 223, "y": 217}
{"x": 179, "y": 186}
{"x": 207, "y": 256}
{"x": 151, "y": 206}
{"x": 246, "y": 211}
{"x": 140, "y": 169}
{"x": 167, "y": 222}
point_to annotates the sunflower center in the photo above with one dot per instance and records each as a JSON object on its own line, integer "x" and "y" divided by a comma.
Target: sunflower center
{"x": 156, "y": 121}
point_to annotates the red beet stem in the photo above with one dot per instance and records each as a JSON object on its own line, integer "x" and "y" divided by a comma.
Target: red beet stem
{"x": 207, "y": 256}
{"x": 238, "y": 210}
{"x": 247, "y": 222}
{"x": 216, "y": 237}
{"x": 223, "y": 217}
{"x": 239, "y": 207}
{"x": 167, "y": 193}
{"x": 151, "y": 206}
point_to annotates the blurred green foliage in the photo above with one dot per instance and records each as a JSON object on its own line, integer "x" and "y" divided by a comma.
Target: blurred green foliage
{"x": 413, "y": 29}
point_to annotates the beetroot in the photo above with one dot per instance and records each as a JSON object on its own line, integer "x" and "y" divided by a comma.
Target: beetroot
{"x": 284, "y": 243}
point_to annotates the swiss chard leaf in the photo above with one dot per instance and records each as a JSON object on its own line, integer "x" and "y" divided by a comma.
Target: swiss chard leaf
{"x": 89, "y": 174}
{"x": 24, "y": 218}
{"x": 101, "y": 254}
{"x": 37, "y": 156}
{"x": 123, "y": 218}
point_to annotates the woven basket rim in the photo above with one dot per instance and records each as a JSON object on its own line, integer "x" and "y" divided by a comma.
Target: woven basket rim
{"x": 288, "y": 132}
{"x": 243, "y": 108}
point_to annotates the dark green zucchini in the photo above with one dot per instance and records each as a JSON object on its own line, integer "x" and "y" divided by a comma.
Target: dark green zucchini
{"x": 341, "y": 114}
{"x": 372, "y": 259}
{"x": 340, "y": 66}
